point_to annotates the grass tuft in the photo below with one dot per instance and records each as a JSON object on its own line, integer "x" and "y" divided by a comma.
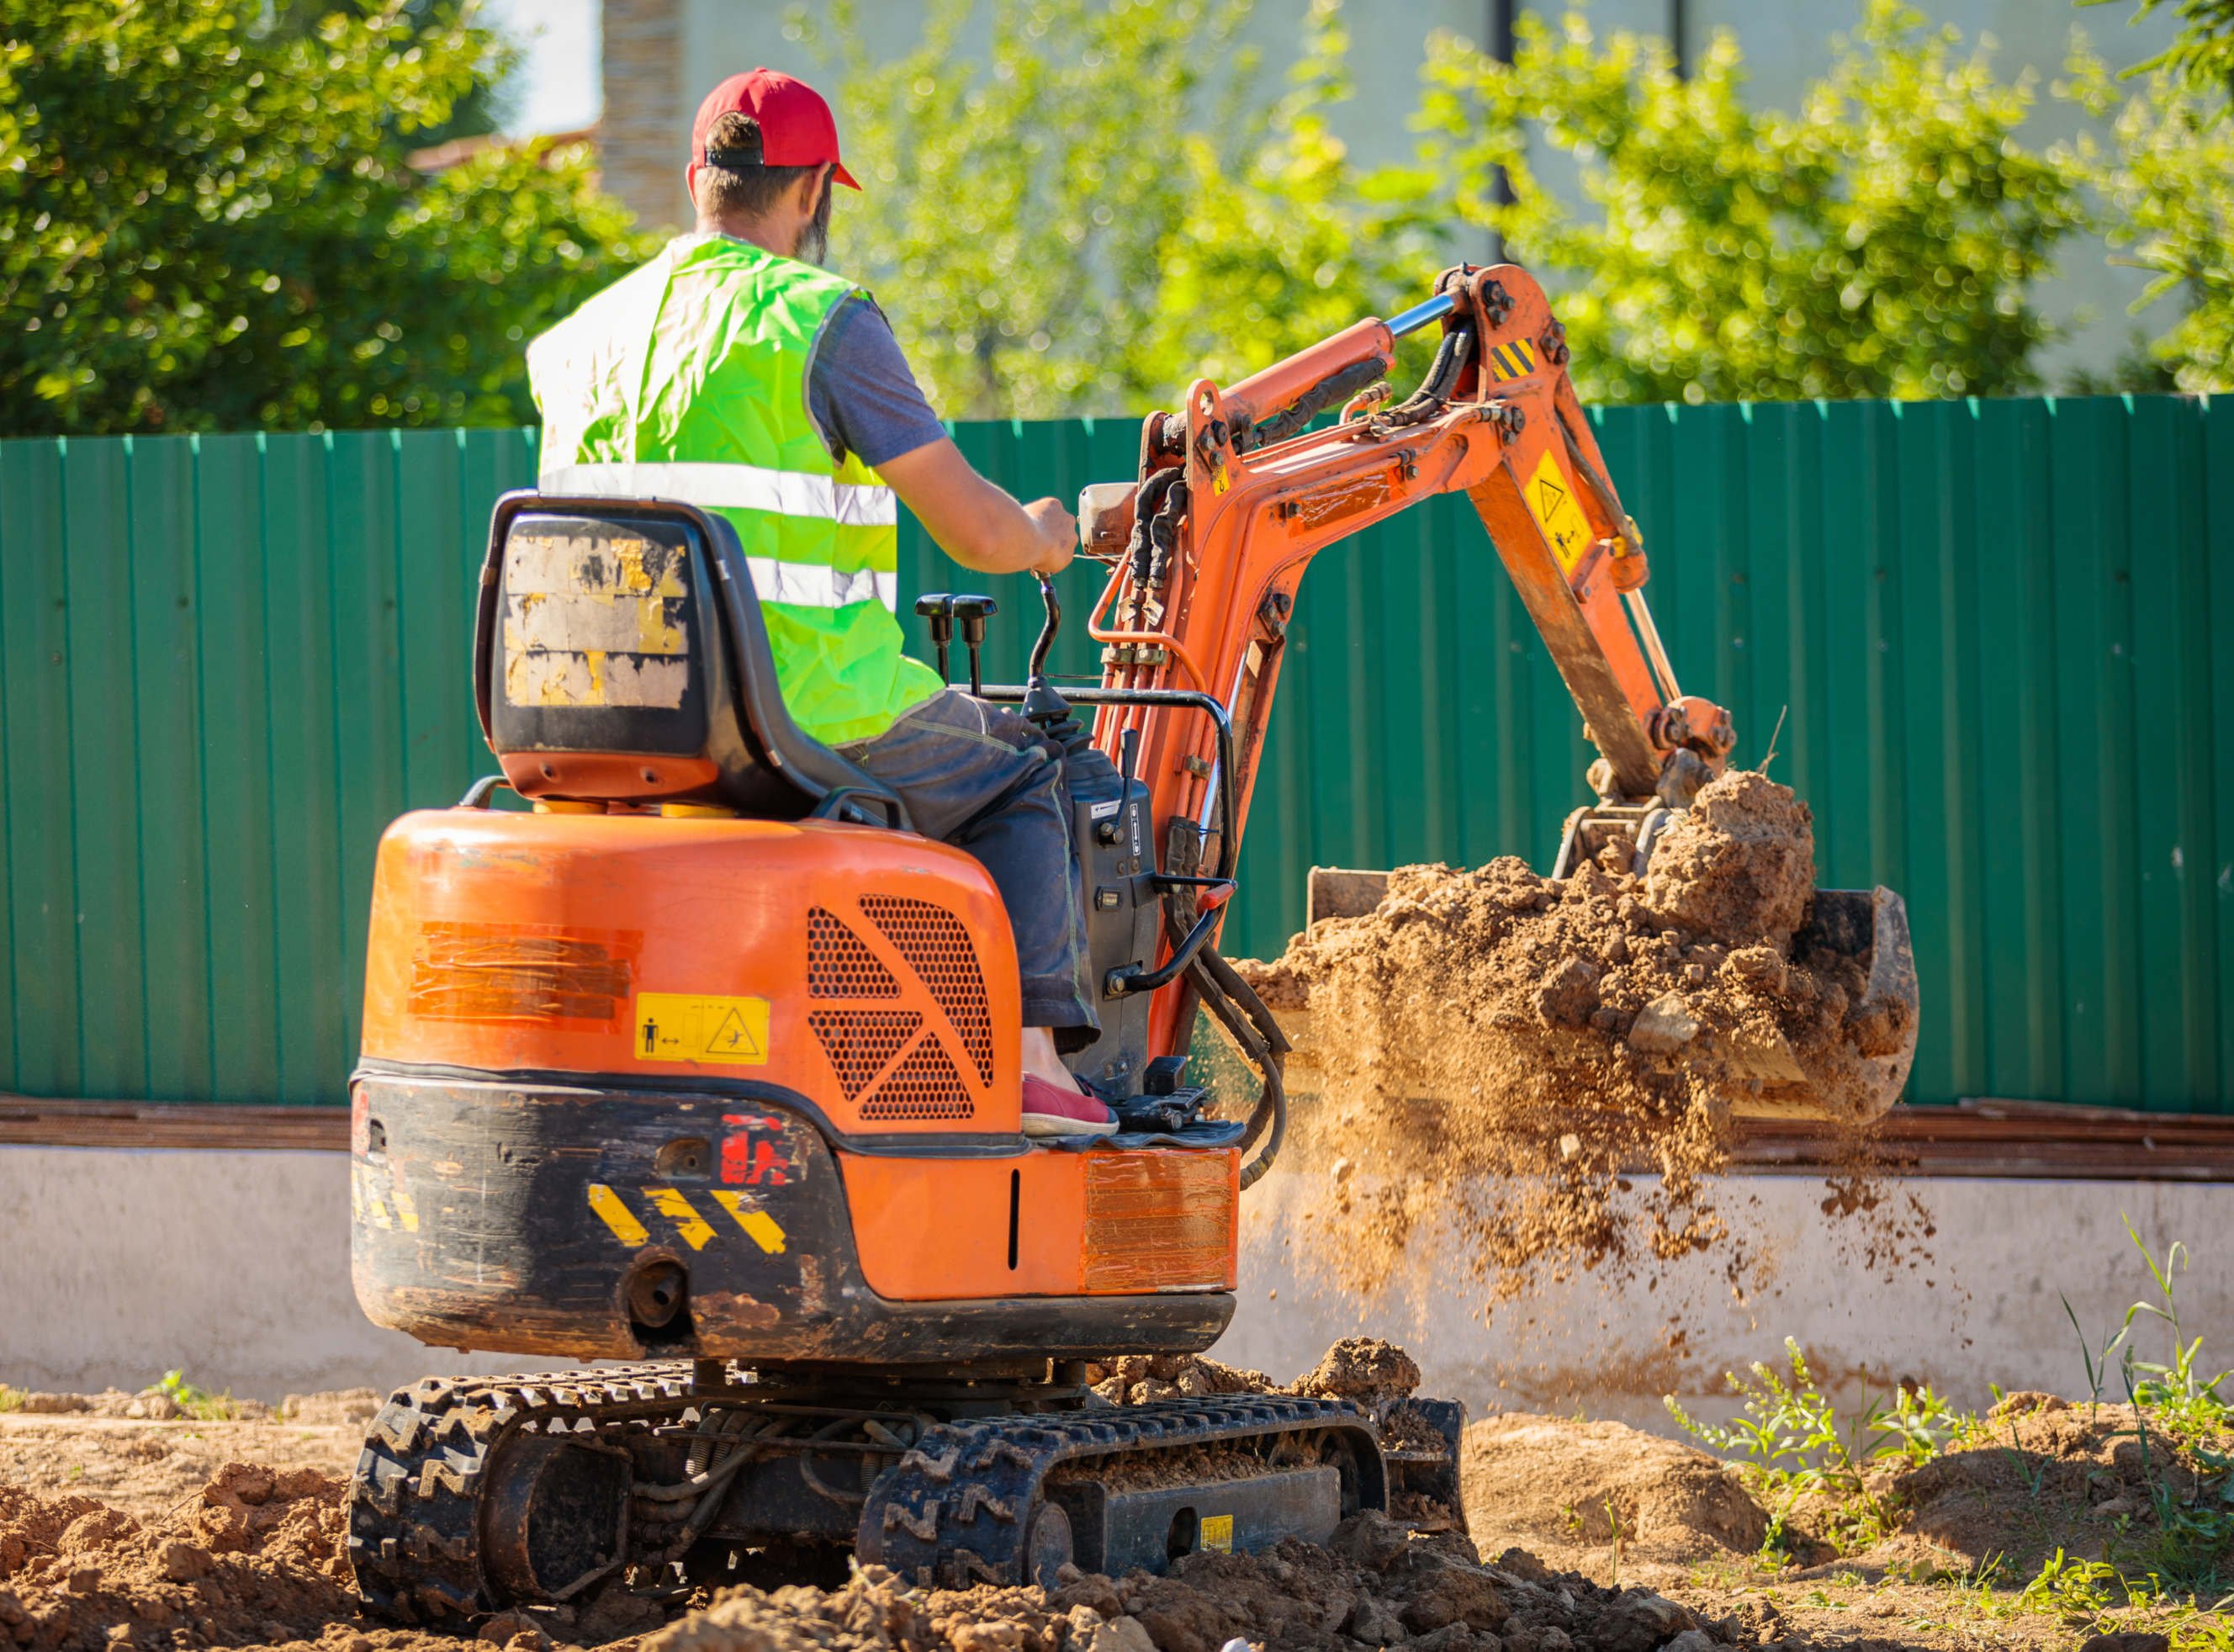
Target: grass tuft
{"x": 198, "y": 1403}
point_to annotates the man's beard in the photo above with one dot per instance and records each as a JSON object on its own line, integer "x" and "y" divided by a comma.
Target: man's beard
{"x": 814, "y": 235}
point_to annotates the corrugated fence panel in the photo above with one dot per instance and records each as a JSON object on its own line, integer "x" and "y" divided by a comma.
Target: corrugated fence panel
{"x": 1986, "y": 641}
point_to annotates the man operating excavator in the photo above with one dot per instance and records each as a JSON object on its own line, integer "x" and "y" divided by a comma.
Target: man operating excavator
{"x": 732, "y": 372}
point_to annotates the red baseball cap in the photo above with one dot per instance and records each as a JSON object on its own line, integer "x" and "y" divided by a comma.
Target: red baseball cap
{"x": 796, "y": 126}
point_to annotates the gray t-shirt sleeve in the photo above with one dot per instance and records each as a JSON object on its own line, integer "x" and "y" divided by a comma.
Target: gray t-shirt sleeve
{"x": 859, "y": 388}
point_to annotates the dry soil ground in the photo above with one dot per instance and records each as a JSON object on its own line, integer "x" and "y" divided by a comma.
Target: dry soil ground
{"x": 1586, "y": 1538}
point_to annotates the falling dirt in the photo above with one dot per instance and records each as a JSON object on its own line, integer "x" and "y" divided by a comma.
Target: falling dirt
{"x": 1511, "y": 1049}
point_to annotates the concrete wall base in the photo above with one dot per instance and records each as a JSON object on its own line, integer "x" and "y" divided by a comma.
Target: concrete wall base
{"x": 116, "y": 1265}
{"x": 1957, "y": 1283}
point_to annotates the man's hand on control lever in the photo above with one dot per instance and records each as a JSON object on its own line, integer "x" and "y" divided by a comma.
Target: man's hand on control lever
{"x": 977, "y": 523}
{"x": 1060, "y": 529}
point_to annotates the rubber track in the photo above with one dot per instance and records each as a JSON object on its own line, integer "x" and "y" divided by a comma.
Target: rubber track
{"x": 953, "y": 1510}
{"x": 414, "y": 1502}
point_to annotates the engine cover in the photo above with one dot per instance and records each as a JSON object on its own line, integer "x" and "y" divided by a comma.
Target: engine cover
{"x": 870, "y": 973}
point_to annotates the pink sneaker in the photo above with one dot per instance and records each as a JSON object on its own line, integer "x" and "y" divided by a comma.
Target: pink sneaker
{"x": 1049, "y": 1110}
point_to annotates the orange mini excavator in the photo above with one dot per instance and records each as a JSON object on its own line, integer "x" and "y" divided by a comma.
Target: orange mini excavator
{"x": 709, "y": 1064}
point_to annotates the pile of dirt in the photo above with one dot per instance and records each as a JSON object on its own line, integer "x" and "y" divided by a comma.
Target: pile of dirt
{"x": 2045, "y": 1473}
{"x": 2036, "y": 1475}
{"x": 1363, "y": 1369}
{"x": 1556, "y": 1482}
{"x": 1512, "y": 1047}
{"x": 258, "y": 1558}
{"x": 1373, "y": 1585}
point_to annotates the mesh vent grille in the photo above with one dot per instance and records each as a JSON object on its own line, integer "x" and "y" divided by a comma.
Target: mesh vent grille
{"x": 938, "y": 948}
{"x": 839, "y": 965}
{"x": 925, "y": 1085}
{"x": 859, "y": 1041}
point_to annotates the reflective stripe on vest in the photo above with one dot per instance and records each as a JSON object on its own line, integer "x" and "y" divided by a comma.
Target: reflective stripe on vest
{"x": 744, "y": 487}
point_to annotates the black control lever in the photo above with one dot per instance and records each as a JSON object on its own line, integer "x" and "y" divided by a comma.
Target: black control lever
{"x": 938, "y": 608}
{"x": 970, "y": 615}
{"x": 1042, "y": 705}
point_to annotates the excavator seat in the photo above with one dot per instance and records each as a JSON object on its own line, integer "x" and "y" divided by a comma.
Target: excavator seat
{"x": 620, "y": 655}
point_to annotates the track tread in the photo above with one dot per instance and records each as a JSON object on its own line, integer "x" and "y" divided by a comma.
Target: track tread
{"x": 414, "y": 1501}
{"x": 922, "y": 1517}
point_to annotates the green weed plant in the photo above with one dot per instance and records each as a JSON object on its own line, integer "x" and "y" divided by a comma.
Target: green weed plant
{"x": 198, "y": 1403}
{"x": 1790, "y": 1444}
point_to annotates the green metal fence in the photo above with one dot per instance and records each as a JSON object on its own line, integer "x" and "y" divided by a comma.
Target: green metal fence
{"x": 1999, "y": 637}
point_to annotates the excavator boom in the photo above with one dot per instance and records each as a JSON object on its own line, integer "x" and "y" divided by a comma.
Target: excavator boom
{"x": 1236, "y": 495}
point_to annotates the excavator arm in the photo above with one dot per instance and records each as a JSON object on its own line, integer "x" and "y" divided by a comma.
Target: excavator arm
{"x": 1235, "y": 495}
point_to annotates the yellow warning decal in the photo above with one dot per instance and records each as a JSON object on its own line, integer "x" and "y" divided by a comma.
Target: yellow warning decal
{"x": 694, "y": 1229}
{"x": 1512, "y": 361}
{"x": 687, "y": 1027}
{"x": 1552, "y": 504}
{"x": 1218, "y": 1533}
{"x": 618, "y": 1215}
{"x": 407, "y": 1210}
{"x": 759, "y": 1227}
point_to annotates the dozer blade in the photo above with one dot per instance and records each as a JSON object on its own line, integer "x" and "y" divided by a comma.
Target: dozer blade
{"x": 1856, "y": 1082}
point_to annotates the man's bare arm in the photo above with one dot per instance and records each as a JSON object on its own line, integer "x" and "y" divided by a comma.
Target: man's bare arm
{"x": 975, "y": 522}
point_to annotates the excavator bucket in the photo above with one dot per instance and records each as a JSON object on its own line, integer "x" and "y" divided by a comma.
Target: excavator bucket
{"x": 1854, "y": 1082}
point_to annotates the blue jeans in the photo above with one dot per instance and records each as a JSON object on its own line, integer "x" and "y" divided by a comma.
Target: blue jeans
{"x": 982, "y": 778}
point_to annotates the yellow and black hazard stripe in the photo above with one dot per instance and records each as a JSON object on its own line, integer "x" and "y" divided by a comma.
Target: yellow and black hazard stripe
{"x": 692, "y": 1229}
{"x": 1512, "y": 361}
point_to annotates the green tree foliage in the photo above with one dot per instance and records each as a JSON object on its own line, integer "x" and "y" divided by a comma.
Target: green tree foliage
{"x": 1884, "y": 242}
{"x": 1012, "y": 209}
{"x": 1166, "y": 225}
{"x": 2202, "y": 56}
{"x": 2166, "y": 186}
{"x": 1283, "y": 241}
{"x": 207, "y": 221}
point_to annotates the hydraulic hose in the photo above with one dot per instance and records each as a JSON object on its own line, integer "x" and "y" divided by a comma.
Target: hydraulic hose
{"x": 1268, "y": 1118}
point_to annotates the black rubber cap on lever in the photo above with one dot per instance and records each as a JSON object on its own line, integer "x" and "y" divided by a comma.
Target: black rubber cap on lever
{"x": 970, "y": 614}
{"x": 937, "y": 607}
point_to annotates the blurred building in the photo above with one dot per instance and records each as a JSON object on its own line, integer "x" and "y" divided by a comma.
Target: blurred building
{"x": 661, "y": 56}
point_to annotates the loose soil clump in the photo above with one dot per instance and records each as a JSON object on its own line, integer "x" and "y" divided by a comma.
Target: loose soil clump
{"x": 255, "y": 1558}
{"x": 1373, "y": 1585}
{"x": 1499, "y": 1053}
{"x": 1364, "y": 1369}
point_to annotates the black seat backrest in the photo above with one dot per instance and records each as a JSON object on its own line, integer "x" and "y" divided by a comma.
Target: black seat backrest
{"x": 619, "y": 655}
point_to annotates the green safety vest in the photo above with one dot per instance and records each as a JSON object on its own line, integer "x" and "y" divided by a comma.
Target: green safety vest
{"x": 688, "y": 380}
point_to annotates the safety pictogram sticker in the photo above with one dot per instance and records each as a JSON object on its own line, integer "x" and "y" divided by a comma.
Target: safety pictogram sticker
{"x": 688, "y": 1027}
{"x": 1556, "y": 512}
